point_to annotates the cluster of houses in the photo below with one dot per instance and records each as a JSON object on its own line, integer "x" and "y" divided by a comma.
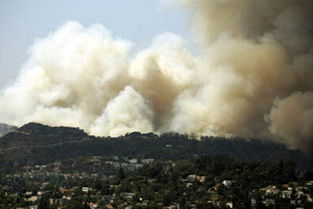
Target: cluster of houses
{"x": 130, "y": 164}
{"x": 39, "y": 175}
{"x": 292, "y": 193}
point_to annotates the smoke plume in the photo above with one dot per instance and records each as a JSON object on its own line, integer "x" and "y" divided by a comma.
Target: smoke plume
{"x": 253, "y": 77}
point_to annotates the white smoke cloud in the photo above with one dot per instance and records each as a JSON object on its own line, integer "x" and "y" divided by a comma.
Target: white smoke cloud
{"x": 70, "y": 77}
{"x": 253, "y": 77}
{"x": 125, "y": 113}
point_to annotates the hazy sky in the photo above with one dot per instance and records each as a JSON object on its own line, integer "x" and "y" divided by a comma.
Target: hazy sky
{"x": 21, "y": 22}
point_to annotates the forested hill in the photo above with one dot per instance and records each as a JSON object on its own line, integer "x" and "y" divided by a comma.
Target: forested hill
{"x": 39, "y": 144}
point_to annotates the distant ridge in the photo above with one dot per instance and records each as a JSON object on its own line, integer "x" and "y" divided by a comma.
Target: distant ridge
{"x": 34, "y": 134}
{"x": 35, "y": 143}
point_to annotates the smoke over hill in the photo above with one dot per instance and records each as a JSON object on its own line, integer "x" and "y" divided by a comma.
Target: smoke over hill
{"x": 4, "y": 129}
{"x": 253, "y": 77}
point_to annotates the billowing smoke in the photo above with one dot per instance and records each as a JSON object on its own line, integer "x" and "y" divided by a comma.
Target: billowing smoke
{"x": 253, "y": 77}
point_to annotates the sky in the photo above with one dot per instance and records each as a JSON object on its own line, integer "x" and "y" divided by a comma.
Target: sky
{"x": 22, "y": 22}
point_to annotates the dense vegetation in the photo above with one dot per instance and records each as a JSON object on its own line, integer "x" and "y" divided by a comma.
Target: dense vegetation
{"x": 38, "y": 144}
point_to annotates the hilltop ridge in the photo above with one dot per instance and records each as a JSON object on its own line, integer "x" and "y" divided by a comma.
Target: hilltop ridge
{"x": 35, "y": 143}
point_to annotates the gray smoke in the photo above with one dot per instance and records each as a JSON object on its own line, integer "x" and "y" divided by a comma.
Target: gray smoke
{"x": 5, "y": 128}
{"x": 253, "y": 77}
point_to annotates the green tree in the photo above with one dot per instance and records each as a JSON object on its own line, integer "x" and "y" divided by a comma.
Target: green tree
{"x": 121, "y": 173}
{"x": 43, "y": 202}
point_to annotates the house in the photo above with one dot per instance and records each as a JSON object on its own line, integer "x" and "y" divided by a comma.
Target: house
{"x": 227, "y": 183}
{"x": 28, "y": 193}
{"x": 113, "y": 186}
{"x": 286, "y": 194}
{"x": 173, "y": 206}
{"x": 93, "y": 205}
{"x": 133, "y": 161}
{"x": 269, "y": 202}
{"x": 193, "y": 206}
{"x": 229, "y": 205}
{"x": 201, "y": 179}
{"x": 150, "y": 181}
{"x": 86, "y": 189}
{"x": 134, "y": 166}
{"x": 189, "y": 185}
{"x": 309, "y": 184}
{"x": 53, "y": 201}
{"x": 309, "y": 198}
{"x": 272, "y": 190}
{"x": 128, "y": 195}
{"x": 109, "y": 206}
{"x": 147, "y": 161}
{"x": 253, "y": 202}
{"x": 114, "y": 164}
{"x": 95, "y": 175}
{"x": 300, "y": 194}
{"x": 32, "y": 199}
{"x": 191, "y": 178}
{"x": 63, "y": 190}
{"x": 66, "y": 198}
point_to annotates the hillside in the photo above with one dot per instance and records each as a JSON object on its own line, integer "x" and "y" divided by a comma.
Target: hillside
{"x": 39, "y": 144}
